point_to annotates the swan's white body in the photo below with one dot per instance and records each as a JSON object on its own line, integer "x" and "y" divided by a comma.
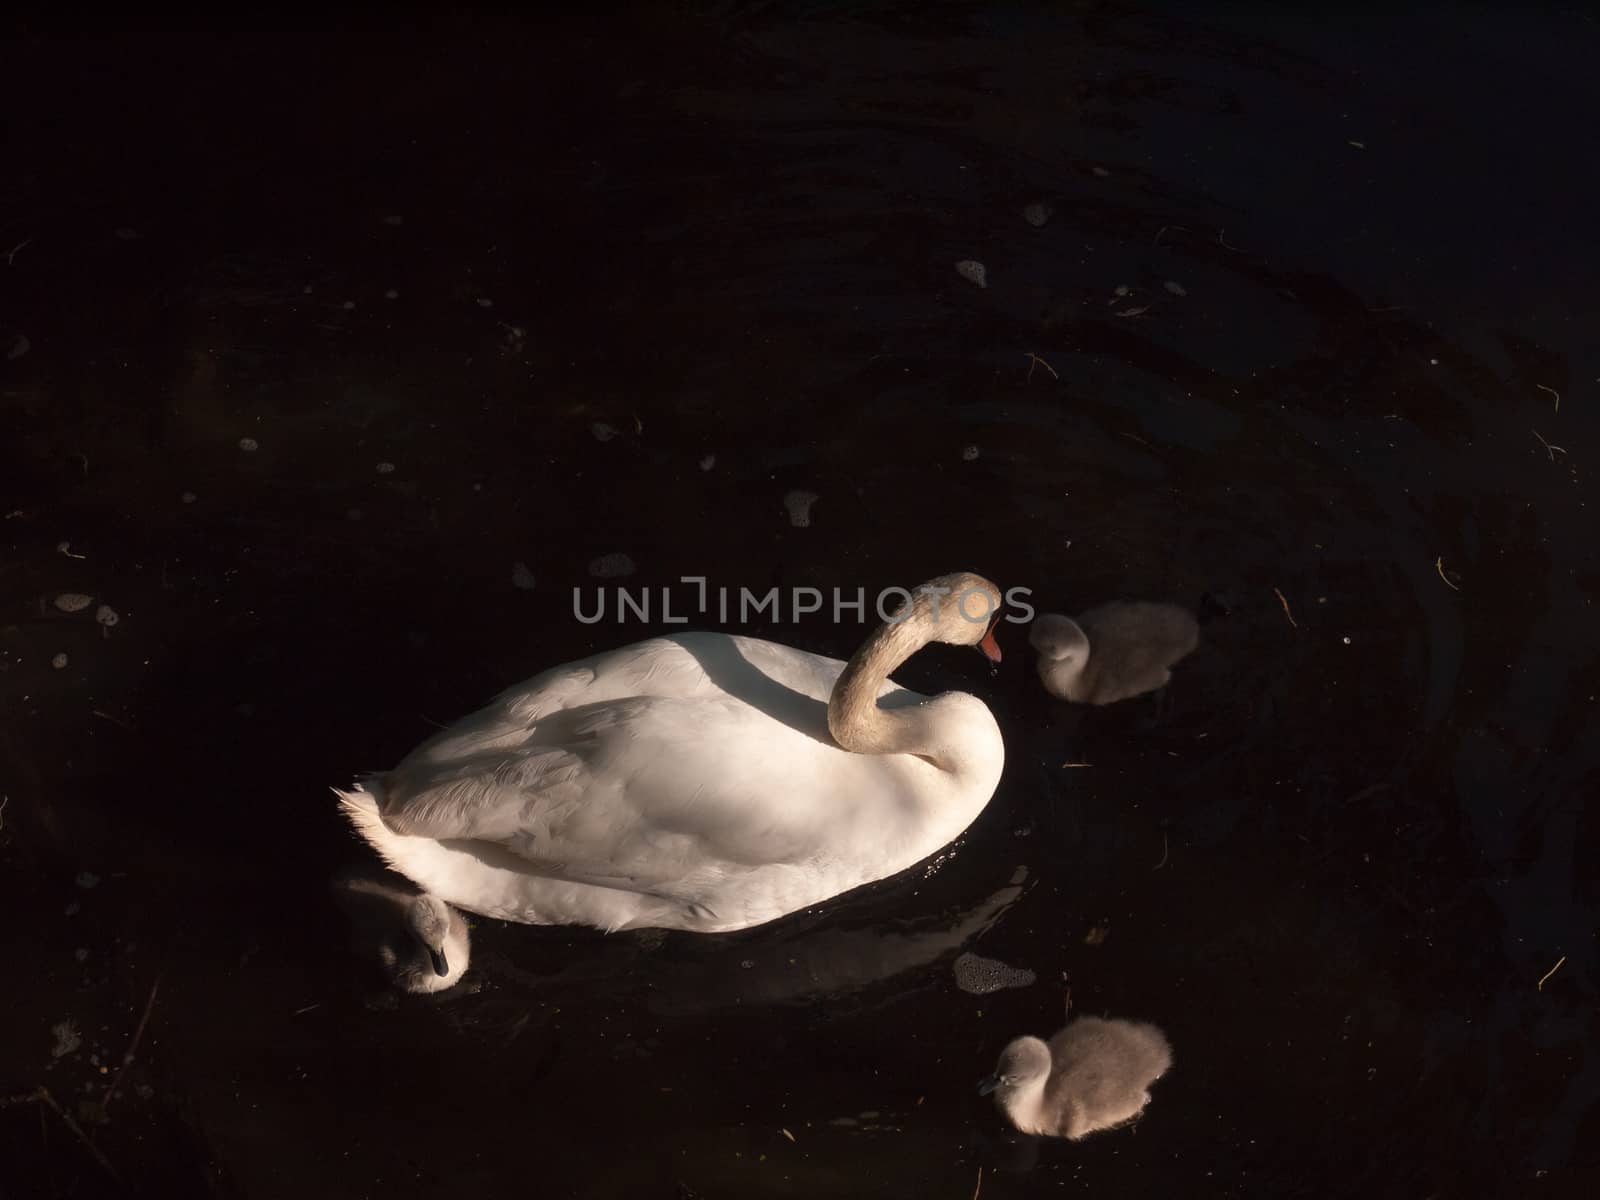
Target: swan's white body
{"x": 685, "y": 782}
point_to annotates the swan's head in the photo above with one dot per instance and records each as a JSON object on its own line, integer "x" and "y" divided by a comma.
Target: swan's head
{"x": 960, "y": 610}
{"x": 441, "y": 935}
{"x": 1024, "y": 1062}
{"x": 1059, "y": 640}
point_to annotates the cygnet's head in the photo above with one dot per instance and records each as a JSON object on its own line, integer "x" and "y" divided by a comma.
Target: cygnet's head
{"x": 1059, "y": 640}
{"x": 442, "y": 936}
{"x": 961, "y": 609}
{"x": 1026, "y": 1061}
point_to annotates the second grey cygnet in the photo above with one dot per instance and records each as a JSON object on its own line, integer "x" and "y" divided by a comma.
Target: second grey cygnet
{"x": 1095, "y": 1074}
{"x": 1113, "y": 652}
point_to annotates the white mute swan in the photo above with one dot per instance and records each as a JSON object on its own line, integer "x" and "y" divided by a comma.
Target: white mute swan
{"x": 1092, "y": 1075}
{"x": 419, "y": 942}
{"x": 704, "y": 781}
{"x": 1114, "y": 652}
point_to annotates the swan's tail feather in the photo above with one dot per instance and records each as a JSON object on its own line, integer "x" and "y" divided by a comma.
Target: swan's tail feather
{"x": 361, "y": 809}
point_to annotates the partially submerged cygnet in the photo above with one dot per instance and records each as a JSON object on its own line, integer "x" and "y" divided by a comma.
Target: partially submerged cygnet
{"x": 1114, "y": 652}
{"x": 1093, "y": 1075}
{"x": 419, "y": 941}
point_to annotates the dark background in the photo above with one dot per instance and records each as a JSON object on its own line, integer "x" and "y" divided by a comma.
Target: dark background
{"x": 1334, "y": 864}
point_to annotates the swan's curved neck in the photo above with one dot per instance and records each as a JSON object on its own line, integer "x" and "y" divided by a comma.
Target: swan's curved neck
{"x": 854, "y": 718}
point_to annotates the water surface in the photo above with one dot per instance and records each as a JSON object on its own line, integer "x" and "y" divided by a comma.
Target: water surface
{"x": 1314, "y": 299}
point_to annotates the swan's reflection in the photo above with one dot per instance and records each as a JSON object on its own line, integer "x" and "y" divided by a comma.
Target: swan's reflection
{"x": 839, "y": 949}
{"x": 829, "y": 960}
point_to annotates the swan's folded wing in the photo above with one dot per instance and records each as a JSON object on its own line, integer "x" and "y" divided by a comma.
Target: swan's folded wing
{"x": 626, "y": 793}
{"x": 490, "y": 796}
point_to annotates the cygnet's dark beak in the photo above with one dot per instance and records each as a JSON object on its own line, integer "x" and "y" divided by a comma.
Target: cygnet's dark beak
{"x": 988, "y": 1085}
{"x": 440, "y": 967}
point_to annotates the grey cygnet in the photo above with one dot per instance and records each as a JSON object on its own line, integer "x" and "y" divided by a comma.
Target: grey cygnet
{"x": 1113, "y": 652}
{"x": 419, "y": 941}
{"x": 1093, "y": 1075}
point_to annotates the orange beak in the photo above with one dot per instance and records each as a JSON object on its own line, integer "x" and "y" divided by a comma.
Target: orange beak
{"x": 990, "y": 647}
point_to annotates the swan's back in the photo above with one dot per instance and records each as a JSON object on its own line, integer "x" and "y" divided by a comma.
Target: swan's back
{"x": 783, "y": 682}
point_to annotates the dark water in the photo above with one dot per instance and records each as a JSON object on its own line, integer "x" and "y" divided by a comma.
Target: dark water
{"x": 1334, "y": 863}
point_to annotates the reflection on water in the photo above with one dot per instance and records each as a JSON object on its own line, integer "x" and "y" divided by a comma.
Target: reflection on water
{"x": 1275, "y": 343}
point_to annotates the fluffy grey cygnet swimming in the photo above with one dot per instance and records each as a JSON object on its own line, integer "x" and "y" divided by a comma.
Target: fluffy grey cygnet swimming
{"x": 419, "y": 941}
{"x": 1113, "y": 652}
{"x": 1093, "y": 1075}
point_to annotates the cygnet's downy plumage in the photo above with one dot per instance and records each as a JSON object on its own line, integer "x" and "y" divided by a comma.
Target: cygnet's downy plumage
{"x": 1113, "y": 652}
{"x": 419, "y": 941}
{"x": 1093, "y": 1075}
